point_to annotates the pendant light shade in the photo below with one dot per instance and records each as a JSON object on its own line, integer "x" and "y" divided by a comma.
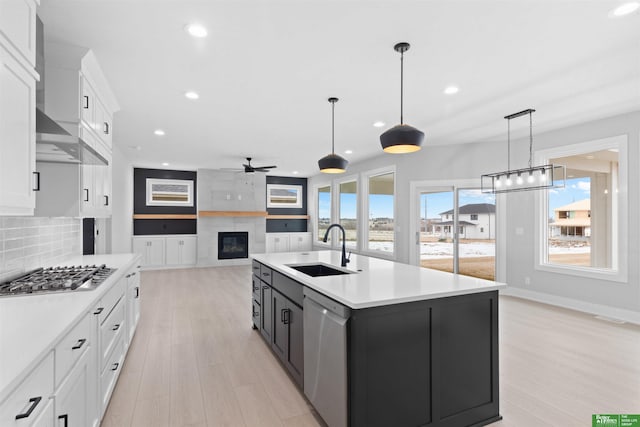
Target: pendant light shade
{"x": 402, "y": 138}
{"x": 333, "y": 163}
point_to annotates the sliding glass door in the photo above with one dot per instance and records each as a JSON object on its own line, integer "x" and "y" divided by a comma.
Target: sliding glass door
{"x": 457, "y": 231}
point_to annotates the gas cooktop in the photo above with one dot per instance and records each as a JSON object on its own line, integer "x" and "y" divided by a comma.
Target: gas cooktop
{"x": 57, "y": 279}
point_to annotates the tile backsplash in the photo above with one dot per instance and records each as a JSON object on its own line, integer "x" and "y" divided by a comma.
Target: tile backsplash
{"x": 31, "y": 242}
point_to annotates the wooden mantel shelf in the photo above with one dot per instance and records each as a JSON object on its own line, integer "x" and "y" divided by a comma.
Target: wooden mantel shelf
{"x": 233, "y": 213}
{"x": 165, "y": 216}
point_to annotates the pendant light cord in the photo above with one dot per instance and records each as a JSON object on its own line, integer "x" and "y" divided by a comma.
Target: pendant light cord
{"x": 509, "y": 144}
{"x": 401, "y": 86}
{"x": 333, "y": 132}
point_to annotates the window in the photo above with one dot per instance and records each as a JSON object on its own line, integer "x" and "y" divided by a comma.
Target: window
{"x": 584, "y": 224}
{"x": 474, "y": 217}
{"x": 324, "y": 210}
{"x": 348, "y": 211}
{"x": 381, "y": 193}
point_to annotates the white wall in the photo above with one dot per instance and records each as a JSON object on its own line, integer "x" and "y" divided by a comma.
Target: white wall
{"x": 471, "y": 161}
{"x": 122, "y": 204}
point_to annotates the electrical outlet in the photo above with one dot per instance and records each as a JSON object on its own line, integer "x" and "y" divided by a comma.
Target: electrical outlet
{"x": 527, "y": 280}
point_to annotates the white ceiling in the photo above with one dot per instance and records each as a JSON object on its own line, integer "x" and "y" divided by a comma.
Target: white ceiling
{"x": 266, "y": 69}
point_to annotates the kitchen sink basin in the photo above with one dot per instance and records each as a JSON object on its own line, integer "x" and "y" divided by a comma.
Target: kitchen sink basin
{"x": 317, "y": 270}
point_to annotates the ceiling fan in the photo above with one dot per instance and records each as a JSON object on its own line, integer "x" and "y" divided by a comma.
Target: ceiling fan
{"x": 249, "y": 168}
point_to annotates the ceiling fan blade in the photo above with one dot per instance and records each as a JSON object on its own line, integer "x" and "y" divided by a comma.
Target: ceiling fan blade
{"x": 265, "y": 167}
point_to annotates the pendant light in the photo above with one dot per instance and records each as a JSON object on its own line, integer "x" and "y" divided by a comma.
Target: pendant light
{"x": 401, "y": 138}
{"x": 333, "y": 163}
{"x": 531, "y": 178}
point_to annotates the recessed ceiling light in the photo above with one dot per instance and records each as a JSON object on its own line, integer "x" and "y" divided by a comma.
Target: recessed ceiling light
{"x": 348, "y": 151}
{"x": 196, "y": 30}
{"x": 159, "y": 132}
{"x": 192, "y": 95}
{"x": 450, "y": 90}
{"x": 165, "y": 164}
{"x": 378, "y": 124}
{"x": 624, "y": 9}
{"x": 295, "y": 172}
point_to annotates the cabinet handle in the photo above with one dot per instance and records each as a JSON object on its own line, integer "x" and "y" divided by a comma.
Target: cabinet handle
{"x": 34, "y": 402}
{"x": 64, "y": 417}
{"x": 37, "y": 186}
{"x": 85, "y": 105}
{"x": 137, "y": 292}
{"x": 265, "y": 287}
{"x": 115, "y": 327}
{"x": 134, "y": 273}
{"x": 266, "y": 274}
{"x": 256, "y": 288}
{"x": 106, "y": 128}
{"x": 284, "y": 315}
{"x": 80, "y": 344}
{"x": 98, "y": 310}
{"x": 86, "y": 194}
{"x": 115, "y": 366}
{"x": 256, "y": 313}
{"x": 127, "y": 276}
{"x": 106, "y": 200}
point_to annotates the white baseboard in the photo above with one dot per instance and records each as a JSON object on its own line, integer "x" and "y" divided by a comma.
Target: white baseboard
{"x": 629, "y": 316}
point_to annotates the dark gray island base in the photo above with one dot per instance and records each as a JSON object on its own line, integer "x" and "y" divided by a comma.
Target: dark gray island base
{"x": 432, "y": 362}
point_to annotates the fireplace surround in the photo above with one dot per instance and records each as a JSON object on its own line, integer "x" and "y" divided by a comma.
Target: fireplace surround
{"x": 233, "y": 244}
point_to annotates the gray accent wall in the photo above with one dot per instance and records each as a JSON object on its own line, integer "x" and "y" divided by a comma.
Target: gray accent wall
{"x": 469, "y": 161}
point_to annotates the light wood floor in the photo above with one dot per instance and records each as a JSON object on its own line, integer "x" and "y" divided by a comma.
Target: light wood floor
{"x": 195, "y": 361}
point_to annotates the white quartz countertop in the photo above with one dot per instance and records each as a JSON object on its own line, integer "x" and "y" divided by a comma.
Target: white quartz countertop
{"x": 31, "y": 324}
{"x": 375, "y": 282}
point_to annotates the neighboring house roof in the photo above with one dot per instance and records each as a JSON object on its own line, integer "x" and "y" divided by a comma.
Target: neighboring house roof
{"x": 572, "y": 222}
{"x": 473, "y": 208}
{"x": 459, "y": 223}
{"x": 580, "y": 205}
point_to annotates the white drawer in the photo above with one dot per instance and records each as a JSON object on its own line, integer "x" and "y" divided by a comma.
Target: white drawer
{"x": 109, "y": 300}
{"x": 110, "y": 330}
{"x": 111, "y": 371}
{"x": 71, "y": 347}
{"x": 30, "y": 398}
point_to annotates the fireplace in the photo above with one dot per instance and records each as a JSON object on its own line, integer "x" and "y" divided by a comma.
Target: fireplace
{"x": 232, "y": 245}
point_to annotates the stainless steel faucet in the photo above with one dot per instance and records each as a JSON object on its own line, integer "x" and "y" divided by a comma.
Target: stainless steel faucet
{"x": 344, "y": 260}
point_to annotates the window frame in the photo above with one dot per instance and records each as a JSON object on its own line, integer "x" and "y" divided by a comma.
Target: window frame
{"x": 364, "y": 222}
{"x": 619, "y": 250}
{"x": 343, "y": 180}
{"x": 316, "y": 220}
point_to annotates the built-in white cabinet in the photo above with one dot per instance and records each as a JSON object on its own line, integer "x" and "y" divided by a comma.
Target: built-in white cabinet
{"x": 17, "y": 107}
{"x": 180, "y": 250}
{"x": 288, "y": 242}
{"x": 71, "y": 399}
{"x": 151, "y": 249}
{"x": 166, "y": 251}
{"x": 133, "y": 302}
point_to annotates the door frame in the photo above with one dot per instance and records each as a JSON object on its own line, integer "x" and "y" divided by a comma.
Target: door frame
{"x": 419, "y": 187}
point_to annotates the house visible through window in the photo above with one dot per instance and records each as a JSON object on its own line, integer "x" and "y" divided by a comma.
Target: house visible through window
{"x": 474, "y": 217}
{"x": 582, "y": 217}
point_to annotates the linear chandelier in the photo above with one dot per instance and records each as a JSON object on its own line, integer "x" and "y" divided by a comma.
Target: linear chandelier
{"x": 530, "y": 178}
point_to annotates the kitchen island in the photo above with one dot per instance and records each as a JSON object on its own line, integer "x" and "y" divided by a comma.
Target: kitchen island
{"x": 419, "y": 347}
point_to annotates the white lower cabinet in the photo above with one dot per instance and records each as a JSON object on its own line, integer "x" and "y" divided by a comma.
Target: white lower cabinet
{"x": 71, "y": 386}
{"x": 71, "y": 399}
{"x": 166, "y": 251}
{"x": 288, "y": 242}
{"x": 29, "y": 399}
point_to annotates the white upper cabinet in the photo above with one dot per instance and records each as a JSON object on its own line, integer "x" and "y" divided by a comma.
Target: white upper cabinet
{"x": 17, "y": 107}
{"x": 18, "y": 29}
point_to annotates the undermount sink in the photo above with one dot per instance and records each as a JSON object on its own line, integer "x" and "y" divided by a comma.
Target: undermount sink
{"x": 317, "y": 270}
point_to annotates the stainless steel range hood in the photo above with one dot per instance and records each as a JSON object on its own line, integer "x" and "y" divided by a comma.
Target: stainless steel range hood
{"x": 58, "y": 142}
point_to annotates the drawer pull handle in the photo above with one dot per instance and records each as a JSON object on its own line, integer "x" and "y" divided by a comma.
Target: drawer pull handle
{"x": 80, "y": 344}
{"x": 98, "y": 310}
{"x": 86, "y": 194}
{"x": 34, "y": 402}
{"x": 85, "y": 105}
{"x": 256, "y": 313}
{"x": 115, "y": 366}
{"x": 37, "y": 186}
{"x": 265, "y": 287}
{"x": 137, "y": 292}
{"x": 266, "y": 274}
{"x": 116, "y": 327}
{"x": 106, "y": 200}
{"x": 64, "y": 417}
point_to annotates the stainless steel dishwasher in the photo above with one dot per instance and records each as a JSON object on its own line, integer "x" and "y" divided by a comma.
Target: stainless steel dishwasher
{"x": 325, "y": 356}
